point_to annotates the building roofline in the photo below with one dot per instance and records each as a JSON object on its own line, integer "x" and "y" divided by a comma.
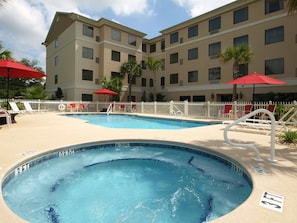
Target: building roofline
{"x": 208, "y": 15}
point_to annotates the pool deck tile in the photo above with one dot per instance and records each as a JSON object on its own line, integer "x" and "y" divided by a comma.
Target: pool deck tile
{"x": 34, "y": 134}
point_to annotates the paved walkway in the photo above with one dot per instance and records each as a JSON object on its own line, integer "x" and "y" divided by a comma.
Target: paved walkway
{"x": 37, "y": 133}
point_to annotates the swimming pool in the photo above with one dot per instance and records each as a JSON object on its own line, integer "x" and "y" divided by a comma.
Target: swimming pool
{"x": 126, "y": 181}
{"x": 137, "y": 122}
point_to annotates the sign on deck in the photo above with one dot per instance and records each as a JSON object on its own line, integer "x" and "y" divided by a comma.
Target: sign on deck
{"x": 272, "y": 201}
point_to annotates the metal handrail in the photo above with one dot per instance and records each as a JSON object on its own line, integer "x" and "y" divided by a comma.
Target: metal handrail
{"x": 109, "y": 109}
{"x": 251, "y": 146}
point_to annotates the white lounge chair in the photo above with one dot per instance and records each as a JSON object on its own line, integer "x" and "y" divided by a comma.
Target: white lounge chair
{"x": 5, "y": 114}
{"x": 14, "y": 107}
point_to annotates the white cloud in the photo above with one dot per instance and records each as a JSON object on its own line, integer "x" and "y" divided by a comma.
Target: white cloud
{"x": 25, "y": 23}
{"x": 198, "y": 7}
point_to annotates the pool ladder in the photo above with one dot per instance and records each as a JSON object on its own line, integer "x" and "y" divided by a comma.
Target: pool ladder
{"x": 251, "y": 146}
{"x": 109, "y": 109}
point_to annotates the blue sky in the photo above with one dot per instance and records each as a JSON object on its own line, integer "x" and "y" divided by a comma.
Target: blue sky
{"x": 24, "y": 23}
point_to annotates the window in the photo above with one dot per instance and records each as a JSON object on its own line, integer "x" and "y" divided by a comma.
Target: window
{"x": 162, "y": 81}
{"x": 174, "y": 37}
{"x": 56, "y": 78}
{"x": 241, "y": 15}
{"x": 115, "y": 56}
{"x": 192, "y": 31}
{"x": 163, "y": 64}
{"x": 193, "y": 54}
{"x": 174, "y": 58}
{"x": 193, "y": 76}
{"x": 273, "y": 6}
{"x": 57, "y": 42}
{"x": 87, "y": 75}
{"x": 152, "y": 48}
{"x": 88, "y": 31}
{"x": 143, "y": 82}
{"x": 162, "y": 45}
{"x": 274, "y": 66}
{"x": 214, "y": 49}
{"x": 173, "y": 78}
{"x": 214, "y": 24}
{"x": 116, "y": 35}
{"x": 214, "y": 74}
{"x": 143, "y": 47}
{"x": 132, "y": 40}
{"x": 243, "y": 69}
{"x": 133, "y": 79}
{"x": 56, "y": 61}
{"x": 143, "y": 65}
{"x": 115, "y": 74}
{"x": 241, "y": 40}
{"x": 131, "y": 57}
{"x": 87, "y": 97}
{"x": 87, "y": 53}
{"x": 151, "y": 82}
{"x": 274, "y": 35}
{"x": 198, "y": 98}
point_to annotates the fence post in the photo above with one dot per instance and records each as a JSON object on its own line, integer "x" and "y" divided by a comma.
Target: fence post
{"x": 186, "y": 108}
{"x": 208, "y": 109}
{"x": 170, "y": 107}
{"x": 142, "y": 107}
{"x": 235, "y": 109}
{"x": 155, "y": 107}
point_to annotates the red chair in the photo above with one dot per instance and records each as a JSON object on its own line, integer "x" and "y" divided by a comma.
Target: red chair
{"x": 72, "y": 107}
{"x": 122, "y": 107}
{"x": 227, "y": 111}
{"x": 247, "y": 109}
{"x": 133, "y": 108}
{"x": 83, "y": 107}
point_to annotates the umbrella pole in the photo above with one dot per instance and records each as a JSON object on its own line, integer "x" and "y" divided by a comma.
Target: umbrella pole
{"x": 7, "y": 89}
{"x": 253, "y": 93}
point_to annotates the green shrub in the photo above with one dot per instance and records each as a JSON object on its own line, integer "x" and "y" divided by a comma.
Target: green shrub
{"x": 289, "y": 137}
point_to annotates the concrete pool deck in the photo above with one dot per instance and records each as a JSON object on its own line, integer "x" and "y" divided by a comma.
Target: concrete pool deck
{"x": 41, "y": 132}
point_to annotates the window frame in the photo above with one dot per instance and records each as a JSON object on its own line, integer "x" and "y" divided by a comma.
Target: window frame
{"x": 275, "y": 35}
{"x": 88, "y": 30}
{"x": 87, "y": 53}
{"x": 116, "y": 35}
{"x": 193, "y": 76}
{"x": 214, "y": 49}
{"x": 115, "y": 56}
{"x": 174, "y": 37}
{"x": 214, "y": 74}
{"x": 241, "y": 15}
{"x": 87, "y": 75}
{"x": 132, "y": 40}
{"x": 174, "y": 58}
{"x": 193, "y": 53}
{"x": 214, "y": 24}
{"x": 174, "y": 78}
{"x": 193, "y": 31}
{"x": 276, "y": 64}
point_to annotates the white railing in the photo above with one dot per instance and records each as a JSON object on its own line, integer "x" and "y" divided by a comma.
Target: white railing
{"x": 251, "y": 146}
{"x": 206, "y": 110}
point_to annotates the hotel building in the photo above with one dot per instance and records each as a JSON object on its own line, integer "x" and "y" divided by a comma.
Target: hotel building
{"x": 80, "y": 51}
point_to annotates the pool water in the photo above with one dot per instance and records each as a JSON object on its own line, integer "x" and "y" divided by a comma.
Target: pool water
{"x": 136, "y": 122}
{"x": 126, "y": 182}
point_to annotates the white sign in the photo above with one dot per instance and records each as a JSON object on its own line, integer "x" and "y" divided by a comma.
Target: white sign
{"x": 272, "y": 201}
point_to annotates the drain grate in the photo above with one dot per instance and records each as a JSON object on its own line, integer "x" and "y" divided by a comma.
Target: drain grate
{"x": 260, "y": 170}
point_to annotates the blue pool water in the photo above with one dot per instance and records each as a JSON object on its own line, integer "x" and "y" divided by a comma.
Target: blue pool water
{"x": 136, "y": 122}
{"x": 126, "y": 182}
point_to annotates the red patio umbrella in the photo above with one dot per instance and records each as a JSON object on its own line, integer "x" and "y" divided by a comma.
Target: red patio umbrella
{"x": 13, "y": 69}
{"x": 105, "y": 91}
{"x": 256, "y": 78}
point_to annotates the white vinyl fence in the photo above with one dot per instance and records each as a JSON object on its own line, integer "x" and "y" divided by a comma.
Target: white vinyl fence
{"x": 209, "y": 110}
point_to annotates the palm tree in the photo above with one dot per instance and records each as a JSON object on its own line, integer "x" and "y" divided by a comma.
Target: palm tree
{"x": 292, "y": 6}
{"x": 133, "y": 70}
{"x": 154, "y": 65}
{"x": 240, "y": 55}
{"x": 5, "y": 54}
